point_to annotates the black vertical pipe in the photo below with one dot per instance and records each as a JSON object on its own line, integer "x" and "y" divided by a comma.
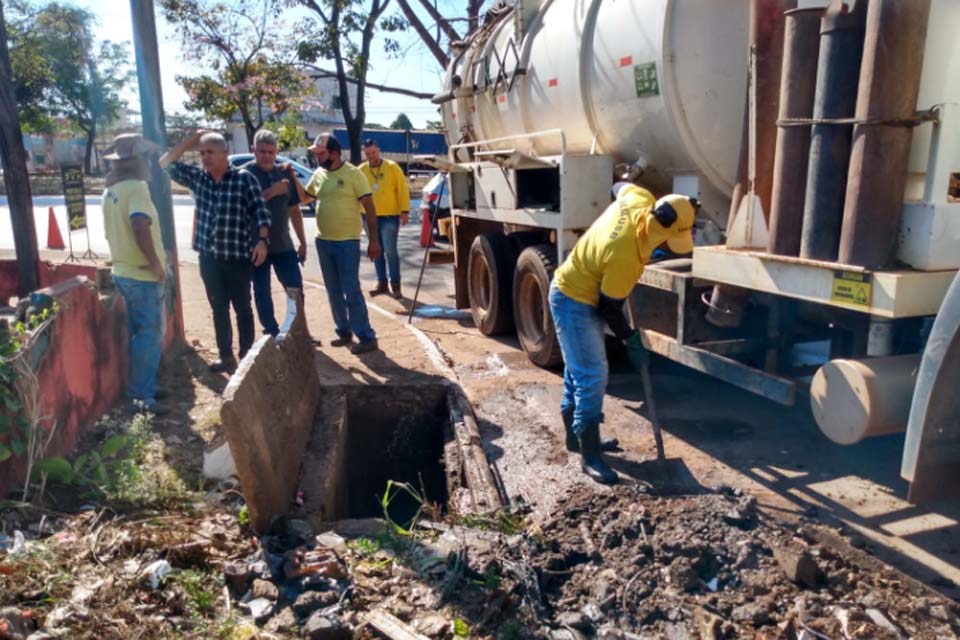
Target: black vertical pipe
{"x": 889, "y": 86}
{"x": 797, "y": 86}
{"x": 838, "y": 73}
{"x": 15, "y": 176}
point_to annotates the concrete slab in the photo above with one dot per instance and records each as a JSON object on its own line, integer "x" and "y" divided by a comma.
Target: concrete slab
{"x": 267, "y": 413}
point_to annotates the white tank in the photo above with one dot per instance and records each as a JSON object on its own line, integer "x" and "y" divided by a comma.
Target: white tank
{"x": 662, "y": 82}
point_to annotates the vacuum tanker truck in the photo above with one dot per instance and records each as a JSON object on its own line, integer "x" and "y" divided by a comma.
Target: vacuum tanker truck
{"x": 823, "y": 142}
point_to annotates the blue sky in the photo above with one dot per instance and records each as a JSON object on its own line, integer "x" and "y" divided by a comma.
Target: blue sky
{"x": 416, "y": 70}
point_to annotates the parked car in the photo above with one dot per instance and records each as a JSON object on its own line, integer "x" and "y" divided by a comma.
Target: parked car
{"x": 303, "y": 173}
{"x": 436, "y": 199}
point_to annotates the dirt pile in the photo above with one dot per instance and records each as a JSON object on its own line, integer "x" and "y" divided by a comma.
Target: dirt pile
{"x": 710, "y": 566}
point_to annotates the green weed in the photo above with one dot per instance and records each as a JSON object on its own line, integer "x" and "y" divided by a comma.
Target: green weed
{"x": 364, "y": 547}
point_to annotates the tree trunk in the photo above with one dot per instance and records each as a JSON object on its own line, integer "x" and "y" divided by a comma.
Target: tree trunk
{"x": 14, "y": 158}
{"x": 88, "y": 152}
{"x": 355, "y": 133}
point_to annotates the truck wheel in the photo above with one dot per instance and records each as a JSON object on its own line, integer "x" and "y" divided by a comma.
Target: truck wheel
{"x": 531, "y": 309}
{"x": 489, "y": 274}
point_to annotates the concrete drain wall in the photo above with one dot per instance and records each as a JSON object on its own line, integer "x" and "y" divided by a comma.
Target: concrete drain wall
{"x": 340, "y": 445}
{"x": 421, "y": 434}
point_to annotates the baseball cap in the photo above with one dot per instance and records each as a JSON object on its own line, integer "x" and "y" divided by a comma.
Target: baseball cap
{"x": 679, "y": 233}
{"x": 332, "y": 143}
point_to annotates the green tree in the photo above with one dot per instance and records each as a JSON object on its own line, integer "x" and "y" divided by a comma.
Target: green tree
{"x": 401, "y": 122}
{"x": 422, "y": 15}
{"x": 434, "y": 125}
{"x": 342, "y": 32}
{"x": 244, "y": 44}
{"x": 32, "y": 73}
{"x": 290, "y": 133}
{"x": 63, "y": 74}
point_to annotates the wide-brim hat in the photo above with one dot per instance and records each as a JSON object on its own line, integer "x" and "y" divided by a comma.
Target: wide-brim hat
{"x": 129, "y": 145}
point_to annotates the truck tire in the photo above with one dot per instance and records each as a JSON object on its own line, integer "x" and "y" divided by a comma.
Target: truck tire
{"x": 489, "y": 276}
{"x": 531, "y": 307}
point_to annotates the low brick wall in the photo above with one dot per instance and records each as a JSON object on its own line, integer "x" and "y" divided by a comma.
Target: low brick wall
{"x": 83, "y": 356}
{"x": 83, "y": 365}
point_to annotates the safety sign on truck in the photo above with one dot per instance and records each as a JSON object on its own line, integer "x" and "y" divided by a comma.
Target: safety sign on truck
{"x": 645, "y": 76}
{"x": 852, "y": 288}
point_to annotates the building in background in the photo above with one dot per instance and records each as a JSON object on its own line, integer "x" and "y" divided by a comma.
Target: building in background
{"x": 322, "y": 112}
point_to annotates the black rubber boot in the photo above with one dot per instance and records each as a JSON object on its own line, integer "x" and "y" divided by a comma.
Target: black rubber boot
{"x": 573, "y": 445}
{"x": 591, "y": 460}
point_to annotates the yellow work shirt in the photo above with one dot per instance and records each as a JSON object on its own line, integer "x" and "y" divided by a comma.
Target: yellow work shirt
{"x": 609, "y": 258}
{"x": 391, "y": 195}
{"x": 122, "y": 202}
{"x": 337, "y": 193}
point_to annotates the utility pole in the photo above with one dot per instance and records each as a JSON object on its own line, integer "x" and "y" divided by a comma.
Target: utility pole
{"x": 15, "y": 177}
{"x": 154, "y": 129}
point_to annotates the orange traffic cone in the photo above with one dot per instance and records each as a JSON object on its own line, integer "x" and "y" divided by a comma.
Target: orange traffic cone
{"x": 54, "y": 239}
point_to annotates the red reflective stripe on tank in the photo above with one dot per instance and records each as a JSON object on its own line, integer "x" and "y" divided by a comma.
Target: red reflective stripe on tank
{"x": 552, "y": 82}
{"x": 626, "y": 61}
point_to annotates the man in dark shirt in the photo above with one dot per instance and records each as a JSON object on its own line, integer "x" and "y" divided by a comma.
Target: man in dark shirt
{"x": 283, "y": 202}
{"x": 231, "y": 234}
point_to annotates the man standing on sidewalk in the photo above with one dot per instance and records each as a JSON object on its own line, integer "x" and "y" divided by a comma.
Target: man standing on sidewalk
{"x": 338, "y": 186}
{"x": 280, "y": 195}
{"x": 231, "y": 234}
{"x": 391, "y": 197}
{"x": 139, "y": 263}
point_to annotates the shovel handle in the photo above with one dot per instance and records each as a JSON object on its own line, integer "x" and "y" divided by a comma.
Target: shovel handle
{"x": 648, "y": 398}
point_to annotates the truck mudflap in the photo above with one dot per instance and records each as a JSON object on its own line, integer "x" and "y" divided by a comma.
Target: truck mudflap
{"x": 931, "y": 454}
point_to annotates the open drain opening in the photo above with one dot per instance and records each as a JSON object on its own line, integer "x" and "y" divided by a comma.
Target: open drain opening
{"x": 395, "y": 434}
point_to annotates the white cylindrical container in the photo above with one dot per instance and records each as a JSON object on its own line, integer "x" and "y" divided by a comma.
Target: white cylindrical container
{"x": 661, "y": 81}
{"x": 856, "y": 399}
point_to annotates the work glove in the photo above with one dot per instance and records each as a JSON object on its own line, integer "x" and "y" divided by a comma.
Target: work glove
{"x": 638, "y": 354}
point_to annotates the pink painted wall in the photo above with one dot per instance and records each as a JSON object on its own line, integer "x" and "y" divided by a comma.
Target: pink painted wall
{"x": 84, "y": 370}
{"x": 50, "y": 274}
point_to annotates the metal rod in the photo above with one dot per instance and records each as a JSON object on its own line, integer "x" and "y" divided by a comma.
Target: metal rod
{"x": 426, "y": 251}
{"x": 652, "y": 410}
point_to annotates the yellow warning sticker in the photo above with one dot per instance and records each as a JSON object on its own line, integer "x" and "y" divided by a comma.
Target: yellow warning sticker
{"x": 853, "y": 288}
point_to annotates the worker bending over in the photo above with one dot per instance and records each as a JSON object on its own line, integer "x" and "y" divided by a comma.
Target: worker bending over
{"x": 588, "y": 290}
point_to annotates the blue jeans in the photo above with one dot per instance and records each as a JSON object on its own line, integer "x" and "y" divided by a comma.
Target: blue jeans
{"x": 580, "y": 333}
{"x": 145, "y": 328}
{"x": 340, "y": 265}
{"x": 388, "y": 228}
{"x": 286, "y": 265}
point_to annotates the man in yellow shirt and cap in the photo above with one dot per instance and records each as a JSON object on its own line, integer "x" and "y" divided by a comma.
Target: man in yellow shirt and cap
{"x": 588, "y": 291}
{"x": 391, "y": 197}
{"x": 132, "y": 228}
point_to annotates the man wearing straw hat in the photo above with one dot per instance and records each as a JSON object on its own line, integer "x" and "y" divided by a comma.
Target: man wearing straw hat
{"x": 139, "y": 262}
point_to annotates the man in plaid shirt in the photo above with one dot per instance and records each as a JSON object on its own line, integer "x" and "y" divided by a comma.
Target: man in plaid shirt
{"x": 231, "y": 234}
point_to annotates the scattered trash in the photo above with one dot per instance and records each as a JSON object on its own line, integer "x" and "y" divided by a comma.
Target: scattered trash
{"x": 440, "y": 311}
{"x": 13, "y": 545}
{"x": 259, "y": 608}
{"x": 156, "y": 572}
{"x": 218, "y": 462}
